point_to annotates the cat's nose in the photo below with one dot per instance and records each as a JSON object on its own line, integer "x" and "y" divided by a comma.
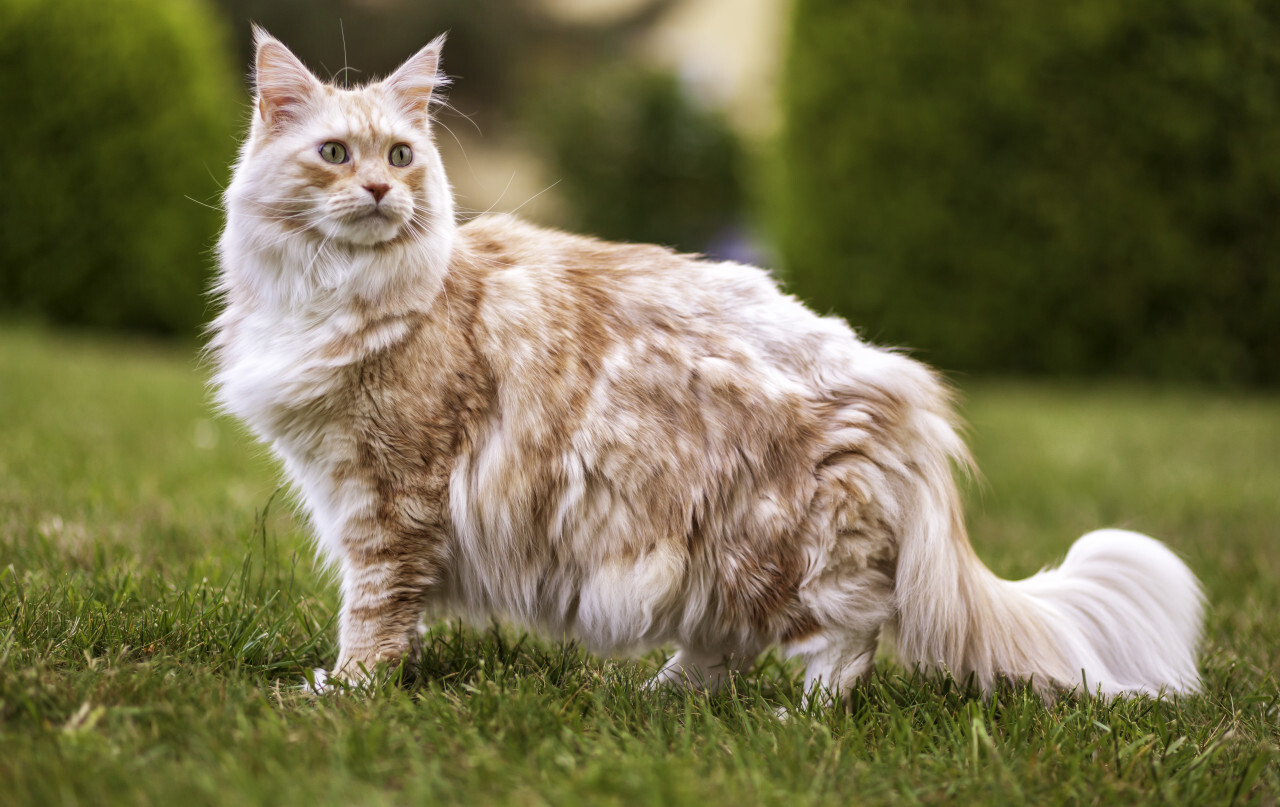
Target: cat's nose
{"x": 378, "y": 189}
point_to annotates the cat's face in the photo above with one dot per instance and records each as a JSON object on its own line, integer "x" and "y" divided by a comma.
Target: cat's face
{"x": 354, "y": 167}
{"x": 352, "y": 172}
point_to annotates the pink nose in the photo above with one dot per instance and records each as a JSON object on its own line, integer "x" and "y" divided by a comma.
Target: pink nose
{"x": 378, "y": 189}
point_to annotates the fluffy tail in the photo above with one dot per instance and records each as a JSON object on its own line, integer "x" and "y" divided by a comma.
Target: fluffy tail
{"x": 1122, "y": 614}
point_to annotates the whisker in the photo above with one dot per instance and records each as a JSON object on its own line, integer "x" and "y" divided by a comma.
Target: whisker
{"x": 444, "y": 104}
{"x": 220, "y": 183}
{"x": 345, "y": 64}
{"x": 502, "y": 195}
{"x": 536, "y": 195}
{"x": 319, "y": 250}
{"x": 344, "y": 70}
{"x": 461, "y": 148}
{"x": 203, "y": 204}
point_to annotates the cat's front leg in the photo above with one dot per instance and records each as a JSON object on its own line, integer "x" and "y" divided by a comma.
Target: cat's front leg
{"x": 385, "y": 587}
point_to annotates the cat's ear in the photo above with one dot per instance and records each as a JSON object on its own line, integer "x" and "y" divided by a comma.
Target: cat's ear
{"x": 283, "y": 83}
{"x": 414, "y": 82}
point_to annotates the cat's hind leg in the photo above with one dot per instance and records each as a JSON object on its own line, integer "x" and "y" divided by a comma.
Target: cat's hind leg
{"x": 848, "y": 603}
{"x": 836, "y": 661}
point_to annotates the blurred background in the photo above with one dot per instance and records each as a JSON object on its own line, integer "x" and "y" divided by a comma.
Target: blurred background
{"x": 1076, "y": 188}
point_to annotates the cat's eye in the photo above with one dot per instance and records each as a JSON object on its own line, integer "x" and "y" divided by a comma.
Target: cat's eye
{"x": 334, "y": 152}
{"x": 401, "y": 155}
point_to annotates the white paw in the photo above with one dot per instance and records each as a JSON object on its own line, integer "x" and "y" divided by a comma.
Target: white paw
{"x": 663, "y": 680}
{"x": 318, "y": 682}
{"x": 676, "y": 675}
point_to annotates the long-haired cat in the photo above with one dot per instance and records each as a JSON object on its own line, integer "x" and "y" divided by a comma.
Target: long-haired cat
{"x": 615, "y": 442}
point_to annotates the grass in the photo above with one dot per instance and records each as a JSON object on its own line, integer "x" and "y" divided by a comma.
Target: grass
{"x": 159, "y": 607}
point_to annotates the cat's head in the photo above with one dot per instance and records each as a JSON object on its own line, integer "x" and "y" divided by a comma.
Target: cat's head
{"x": 352, "y": 168}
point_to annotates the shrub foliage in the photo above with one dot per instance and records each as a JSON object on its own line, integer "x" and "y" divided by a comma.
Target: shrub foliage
{"x": 121, "y": 121}
{"x": 639, "y": 159}
{"x": 1059, "y": 188}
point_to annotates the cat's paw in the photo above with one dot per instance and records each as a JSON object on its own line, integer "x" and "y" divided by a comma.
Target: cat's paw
{"x": 674, "y": 677}
{"x": 354, "y": 678}
{"x": 661, "y": 682}
{"x": 417, "y": 642}
{"x": 322, "y": 682}
{"x": 691, "y": 672}
{"x": 318, "y": 682}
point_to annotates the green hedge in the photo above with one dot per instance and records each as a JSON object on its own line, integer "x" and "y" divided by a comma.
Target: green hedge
{"x": 1085, "y": 187}
{"x": 120, "y": 113}
{"x": 638, "y": 159}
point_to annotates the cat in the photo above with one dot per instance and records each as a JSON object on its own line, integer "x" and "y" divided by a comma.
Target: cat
{"x": 614, "y": 442}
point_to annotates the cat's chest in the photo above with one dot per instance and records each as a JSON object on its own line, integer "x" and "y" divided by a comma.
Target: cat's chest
{"x": 290, "y": 381}
{"x": 333, "y": 394}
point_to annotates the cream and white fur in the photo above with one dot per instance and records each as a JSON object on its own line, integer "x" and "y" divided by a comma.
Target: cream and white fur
{"x": 615, "y": 442}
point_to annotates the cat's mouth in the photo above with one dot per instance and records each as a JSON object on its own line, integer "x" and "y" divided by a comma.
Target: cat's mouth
{"x": 371, "y": 226}
{"x": 375, "y": 213}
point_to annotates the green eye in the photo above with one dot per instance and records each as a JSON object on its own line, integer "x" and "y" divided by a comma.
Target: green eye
{"x": 401, "y": 155}
{"x": 334, "y": 152}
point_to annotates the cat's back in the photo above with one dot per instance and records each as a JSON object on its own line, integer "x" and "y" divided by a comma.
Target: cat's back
{"x": 623, "y": 307}
{"x": 547, "y": 265}
{"x": 538, "y": 282}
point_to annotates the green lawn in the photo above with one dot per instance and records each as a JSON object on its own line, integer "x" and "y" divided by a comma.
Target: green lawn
{"x": 159, "y": 606}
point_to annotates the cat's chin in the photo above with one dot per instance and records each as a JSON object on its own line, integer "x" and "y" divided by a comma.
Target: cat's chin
{"x": 369, "y": 231}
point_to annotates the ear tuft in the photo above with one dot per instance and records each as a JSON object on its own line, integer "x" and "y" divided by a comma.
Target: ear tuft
{"x": 282, "y": 82}
{"x": 416, "y": 81}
